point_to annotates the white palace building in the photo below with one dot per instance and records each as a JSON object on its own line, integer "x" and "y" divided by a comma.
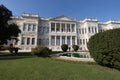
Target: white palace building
{"x": 53, "y": 32}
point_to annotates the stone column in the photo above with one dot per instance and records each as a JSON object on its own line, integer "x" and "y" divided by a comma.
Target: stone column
{"x": 75, "y": 28}
{"x": 65, "y": 27}
{"x": 65, "y": 39}
{"x": 70, "y": 28}
{"x": 60, "y": 27}
{"x": 30, "y": 40}
{"x": 71, "y": 40}
{"x": 55, "y": 40}
{"x": 50, "y": 27}
{"x": 49, "y": 40}
{"x": 75, "y": 40}
{"x": 60, "y": 40}
{"x": 55, "y": 27}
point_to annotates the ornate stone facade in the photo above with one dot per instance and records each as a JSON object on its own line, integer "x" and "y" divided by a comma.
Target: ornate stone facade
{"x": 53, "y": 32}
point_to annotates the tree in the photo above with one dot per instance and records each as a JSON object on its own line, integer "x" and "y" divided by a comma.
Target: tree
{"x": 7, "y": 31}
{"x": 64, "y": 47}
{"x": 75, "y": 47}
{"x": 105, "y": 48}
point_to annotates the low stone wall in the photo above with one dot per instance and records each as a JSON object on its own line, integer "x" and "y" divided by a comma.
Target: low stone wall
{"x": 76, "y": 59}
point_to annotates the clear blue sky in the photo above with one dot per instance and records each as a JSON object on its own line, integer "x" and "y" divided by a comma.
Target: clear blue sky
{"x": 103, "y": 10}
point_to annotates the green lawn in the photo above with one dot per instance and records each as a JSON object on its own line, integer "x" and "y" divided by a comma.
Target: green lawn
{"x": 48, "y": 69}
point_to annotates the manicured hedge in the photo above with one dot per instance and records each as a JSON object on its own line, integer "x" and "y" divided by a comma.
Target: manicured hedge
{"x": 75, "y": 47}
{"x": 41, "y": 51}
{"x": 64, "y": 47}
{"x": 104, "y": 47}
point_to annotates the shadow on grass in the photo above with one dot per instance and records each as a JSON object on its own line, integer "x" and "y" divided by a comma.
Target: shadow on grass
{"x": 10, "y": 56}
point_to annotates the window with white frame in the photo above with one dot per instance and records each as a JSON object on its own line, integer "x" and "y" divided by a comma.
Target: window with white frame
{"x": 52, "y": 27}
{"x": 23, "y": 40}
{"x": 24, "y": 27}
{"x": 73, "y": 40}
{"x": 89, "y": 30}
{"x": 33, "y": 41}
{"x": 68, "y": 27}
{"x": 34, "y": 27}
{"x": 63, "y": 28}
{"x": 95, "y": 30}
{"x": 80, "y": 41}
{"x": 73, "y": 27}
{"x": 58, "y": 40}
{"x": 29, "y": 27}
{"x": 83, "y": 41}
{"x": 28, "y": 41}
{"x": 63, "y": 39}
{"x": 52, "y": 40}
{"x": 68, "y": 40}
{"x": 58, "y": 27}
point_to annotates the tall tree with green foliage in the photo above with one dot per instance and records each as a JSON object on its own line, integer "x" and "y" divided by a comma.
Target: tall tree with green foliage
{"x": 7, "y": 31}
{"x": 105, "y": 48}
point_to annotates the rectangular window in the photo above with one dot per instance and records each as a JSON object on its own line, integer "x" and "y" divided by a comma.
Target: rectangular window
{"x": 89, "y": 30}
{"x": 58, "y": 27}
{"x": 68, "y": 40}
{"x": 23, "y": 40}
{"x": 58, "y": 40}
{"x": 34, "y": 27}
{"x": 63, "y": 39}
{"x": 28, "y": 41}
{"x": 40, "y": 42}
{"x": 24, "y": 27}
{"x": 47, "y": 29}
{"x": 95, "y": 30}
{"x": 63, "y": 28}
{"x": 82, "y": 30}
{"x": 80, "y": 41}
{"x": 77, "y": 31}
{"x": 52, "y": 40}
{"x": 86, "y": 41}
{"x": 73, "y": 40}
{"x": 40, "y": 29}
{"x": 29, "y": 27}
{"x": 53, "y": 27}
{"x": 43, "y": 42}
{"x": 68, "y": 27}
{"x": 47, "y": 41}
{"x": 33, "y": 41}
{"x": 73, "y": 27}
{"x": 92, "y": 30}
{"x": 44, "y": 29}
{"x": 83, "y": 41}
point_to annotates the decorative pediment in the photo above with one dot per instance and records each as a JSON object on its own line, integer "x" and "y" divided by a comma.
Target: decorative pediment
{"x": 62, "y": 18}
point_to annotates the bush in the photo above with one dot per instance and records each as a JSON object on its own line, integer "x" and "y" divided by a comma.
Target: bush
{"x": 64, "y": 47}
{"x": 41, "y": 51}
{"x": 105, "y": 48}
{"x": 75, "y": 47}
{"x": 11, "y": 49}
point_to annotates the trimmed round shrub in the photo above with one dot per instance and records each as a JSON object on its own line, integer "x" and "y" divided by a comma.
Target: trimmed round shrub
{"x": 104, "y": 47}
{"x": 75, "y": 47}
{"x": 41, "y": 51}
{"x": 64, "y": 47}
